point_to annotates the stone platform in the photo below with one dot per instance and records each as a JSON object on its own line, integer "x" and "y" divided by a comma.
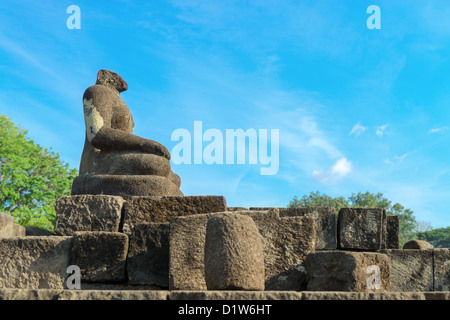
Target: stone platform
{"x": 54, "y": 294}
{"x": 158, "y": 248}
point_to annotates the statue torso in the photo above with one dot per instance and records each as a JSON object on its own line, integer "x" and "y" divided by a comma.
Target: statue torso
{"x": 108, "y": 101}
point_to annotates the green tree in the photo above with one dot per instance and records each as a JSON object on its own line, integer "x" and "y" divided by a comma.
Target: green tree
{"x": 316, "y": 199}
{"x": 407, "y": 220}
{"x": 439, "y": 238}
{"x": 31, "y": 177}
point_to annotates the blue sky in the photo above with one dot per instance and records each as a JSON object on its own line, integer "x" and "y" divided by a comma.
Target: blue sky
{"x": 357, "y": 109}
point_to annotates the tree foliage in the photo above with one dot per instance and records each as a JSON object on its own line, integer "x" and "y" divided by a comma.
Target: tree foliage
{"x": 439, "y": 238}
{"x": 316, "y": 199}
{"x": 408, "y": 223}
{"x": 31, "y": 177}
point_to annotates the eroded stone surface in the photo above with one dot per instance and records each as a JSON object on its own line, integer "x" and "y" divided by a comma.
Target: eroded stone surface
{"x": 362, "y": 228}
{"x": 148, "y": 255}
{"x": 124, "y": 185}
{"x": 325, "y": 223}
{"x": 54, "y": 294}
{"x": 35, "y": 262}
{"x": 347, "y": 271}
{"x": 411, "y": 270}
{"x": 100, "y": 255}
{"x": 162, "y": 209}
{"x": 286, "y": 242}
{"x": 441, "y": 259}
{"x": 234, "y": 256}
{"x": 417, "y": 244}
{"x": 88, "y": 213}
{"x": 392, "y": 232}
{"x": 187, "y": 241}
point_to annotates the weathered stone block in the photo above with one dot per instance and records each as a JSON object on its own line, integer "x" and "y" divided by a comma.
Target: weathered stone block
{"x": 8, "y": 228}
{"x": 441, "y": 259}
{"x": 234, "y": 257}
{"x": 88, "y": 213}
{"x": 186, "y": 256}
{"x": 362, "y": 228}
{"x": 100, "y": 255}
{"x": 411, "y": 270}
{"x": 417, "y": 244}
{"x": 325, "y": 223}
{"x": 148, "y": 255}
{"x": 162, "y": 209}
{"x": 347, "y": 271}
{"x": 35, "y": 262}
{"x": 286, "y": 242}
{"x": 392, "y": 232}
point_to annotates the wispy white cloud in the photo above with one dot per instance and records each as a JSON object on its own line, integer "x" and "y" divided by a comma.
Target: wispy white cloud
{"x": 317, "y": 138}
{"x": 438, "y": 130}
{"x": 357, "y": 129}
{"x": 15, "y": 49}
{"x": 340, "y": 169}
{"x": 396, "y": 159}
{"x": 381, "y": 130}
{"x": 401, "y": 158}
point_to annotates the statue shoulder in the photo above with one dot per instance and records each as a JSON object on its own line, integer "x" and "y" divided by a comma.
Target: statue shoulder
{"x": 96, "y": 91}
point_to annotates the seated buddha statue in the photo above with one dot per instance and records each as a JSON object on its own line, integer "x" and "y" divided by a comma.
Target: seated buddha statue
{"x": 114, "y": 160}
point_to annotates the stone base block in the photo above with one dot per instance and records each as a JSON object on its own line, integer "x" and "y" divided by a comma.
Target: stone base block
{"x": 348, "y": 271}
{"x": 441, "y": 259}
{"x": 186, "y": 257}
{"x": 88, "y": 213}
{"x": 124, "y": 185}
{"x": 286, "y": 242}
{"x": 411, "y": 270}
{"x": 234, "y": 257}
{"x": 101, "y": 256}
{"x": 162, "y": 209}
{"x": 35, "y": 262}
{"x": 148, "y": 255}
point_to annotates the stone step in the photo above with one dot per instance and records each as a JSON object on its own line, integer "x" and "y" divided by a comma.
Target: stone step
{"x": 55, "y": 294}
{"x": 116, "y": 214}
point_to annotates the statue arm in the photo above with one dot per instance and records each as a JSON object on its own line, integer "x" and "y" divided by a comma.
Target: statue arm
{"x": 112, "y": 139}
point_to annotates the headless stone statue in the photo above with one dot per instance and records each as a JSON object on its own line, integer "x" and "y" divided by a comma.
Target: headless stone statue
{"x": 114, "y": 160}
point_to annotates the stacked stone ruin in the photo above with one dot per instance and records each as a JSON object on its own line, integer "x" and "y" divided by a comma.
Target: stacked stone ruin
{"x": 128, "y": 228}
{"x": 196, "y": 243}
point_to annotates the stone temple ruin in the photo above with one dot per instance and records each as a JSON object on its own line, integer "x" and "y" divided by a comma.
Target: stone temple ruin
{"x": 132, "y": 234}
